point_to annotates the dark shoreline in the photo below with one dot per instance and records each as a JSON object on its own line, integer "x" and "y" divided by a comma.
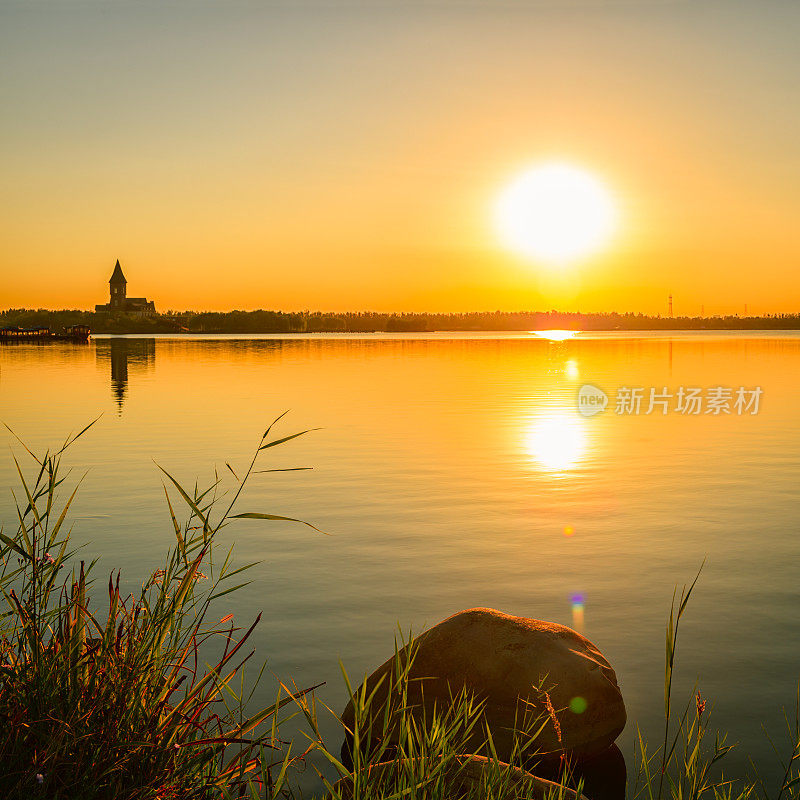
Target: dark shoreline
{"x": 260, "y": 322}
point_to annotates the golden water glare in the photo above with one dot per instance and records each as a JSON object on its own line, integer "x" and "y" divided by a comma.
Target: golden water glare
{"x": 556, "y": 439}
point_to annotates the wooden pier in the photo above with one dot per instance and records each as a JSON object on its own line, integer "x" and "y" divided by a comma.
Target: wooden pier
{"x": 72, "y": 333}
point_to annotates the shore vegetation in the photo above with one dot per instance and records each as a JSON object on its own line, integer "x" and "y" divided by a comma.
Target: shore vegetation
{"x": 265, "y": 321}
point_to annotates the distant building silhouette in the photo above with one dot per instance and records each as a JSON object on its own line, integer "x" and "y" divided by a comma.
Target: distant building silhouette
{"x": 119, "y": 301}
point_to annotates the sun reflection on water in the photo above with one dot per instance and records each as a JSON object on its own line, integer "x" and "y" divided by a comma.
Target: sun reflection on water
{"x": 555, "y": 335}
{"x": 556, "y": 440}
{"x": 571, "y": 369}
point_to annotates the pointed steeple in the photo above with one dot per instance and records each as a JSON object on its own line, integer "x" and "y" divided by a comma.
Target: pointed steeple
{"x": 116, "y": 275}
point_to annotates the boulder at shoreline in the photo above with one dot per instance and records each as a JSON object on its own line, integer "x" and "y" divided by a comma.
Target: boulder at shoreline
{"x": 515, "y": 665}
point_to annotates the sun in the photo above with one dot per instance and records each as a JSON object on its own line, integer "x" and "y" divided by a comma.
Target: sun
{"x": 555, "y": 213}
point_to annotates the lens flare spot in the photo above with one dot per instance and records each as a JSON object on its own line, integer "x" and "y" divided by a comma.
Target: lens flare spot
{"x": 577, "y": 601}
{"x": 578, "y": 705}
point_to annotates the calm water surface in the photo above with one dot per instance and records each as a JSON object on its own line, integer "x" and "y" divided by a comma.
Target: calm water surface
{"x": 447, "y": 471}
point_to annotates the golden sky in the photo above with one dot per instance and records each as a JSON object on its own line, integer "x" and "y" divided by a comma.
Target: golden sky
{"x": 346, "y": 155}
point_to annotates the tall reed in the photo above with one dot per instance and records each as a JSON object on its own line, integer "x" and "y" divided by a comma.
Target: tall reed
{"x": 394, "y": 749}
{"x": 118, "y": 702}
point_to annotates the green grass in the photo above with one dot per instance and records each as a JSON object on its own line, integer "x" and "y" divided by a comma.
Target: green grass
{"x": 107, "y": 696}
{"x": 143, "y": 696}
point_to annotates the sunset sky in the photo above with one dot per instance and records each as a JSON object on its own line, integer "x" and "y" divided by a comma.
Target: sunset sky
{"x": 348, "y": 155}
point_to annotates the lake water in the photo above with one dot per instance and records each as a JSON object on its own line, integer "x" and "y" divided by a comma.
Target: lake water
{"x": 454, "y": 471}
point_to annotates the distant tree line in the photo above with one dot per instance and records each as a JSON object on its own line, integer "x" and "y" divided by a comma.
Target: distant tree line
{"x": 369, "y": 321}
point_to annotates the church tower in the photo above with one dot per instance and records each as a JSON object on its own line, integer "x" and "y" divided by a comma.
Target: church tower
{"x": 120, "y": 303}
{"x": 118, "y": 286}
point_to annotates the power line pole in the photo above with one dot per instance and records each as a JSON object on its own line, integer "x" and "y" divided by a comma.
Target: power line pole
{"x": 670, "y": 305}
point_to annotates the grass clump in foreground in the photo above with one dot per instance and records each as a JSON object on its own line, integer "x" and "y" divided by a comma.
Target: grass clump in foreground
{"x": 394, "y": 750}
{"x": 121, "y": 702}
{"x": 118, "y": 702}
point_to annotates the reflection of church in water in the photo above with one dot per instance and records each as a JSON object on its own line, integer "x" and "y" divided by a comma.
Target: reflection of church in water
{"x": 126, "y": 356}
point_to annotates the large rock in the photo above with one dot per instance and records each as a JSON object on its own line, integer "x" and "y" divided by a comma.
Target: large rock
{"x": 514, "y": 664}
{"x": 464, "y": 776}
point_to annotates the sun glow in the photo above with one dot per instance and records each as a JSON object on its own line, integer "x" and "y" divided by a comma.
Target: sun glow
{"x": 555, "y": 213}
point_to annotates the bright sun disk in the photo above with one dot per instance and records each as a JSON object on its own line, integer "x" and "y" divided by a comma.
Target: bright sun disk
{"x": 555, "y": 213}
